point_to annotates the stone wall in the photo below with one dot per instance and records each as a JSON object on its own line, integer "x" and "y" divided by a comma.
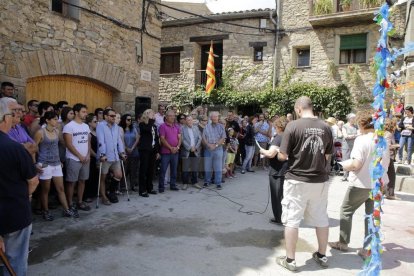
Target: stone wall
{"x": 324, "y": 47}
{"x": 35, "y": 41}
{"x": 249, "y": 75}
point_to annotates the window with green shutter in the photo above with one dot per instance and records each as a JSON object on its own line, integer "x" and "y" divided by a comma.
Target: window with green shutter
{"x": 353, "y": 48}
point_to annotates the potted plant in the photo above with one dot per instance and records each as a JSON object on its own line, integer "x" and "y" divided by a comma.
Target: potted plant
{"x": 346, "y": 5}
{"x": 323, "y": 7}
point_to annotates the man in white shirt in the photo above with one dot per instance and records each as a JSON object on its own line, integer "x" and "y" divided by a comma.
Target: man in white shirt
{"x": 78, "y": 146}
{"x": 159, "y": 116}
{"x": 360, "y": 183}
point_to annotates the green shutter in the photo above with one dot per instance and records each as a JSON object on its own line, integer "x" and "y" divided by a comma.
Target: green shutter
{"x": 352, "y": 42}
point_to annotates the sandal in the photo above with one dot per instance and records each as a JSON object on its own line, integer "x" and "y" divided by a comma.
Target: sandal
{"x": 339, "y": 246}
{"x": 106, "y": 202}
{"x": 83, "y": 206}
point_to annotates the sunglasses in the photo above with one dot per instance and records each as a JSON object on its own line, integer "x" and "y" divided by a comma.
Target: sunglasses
{"x": 128, "y": 120}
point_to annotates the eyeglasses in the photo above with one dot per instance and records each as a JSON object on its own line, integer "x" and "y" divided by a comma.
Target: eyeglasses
{"x": 182, "y": 118}
{"x": 128, "y": 120}
{"x": 112, "y": 116}
{"x": 100, "y": 112}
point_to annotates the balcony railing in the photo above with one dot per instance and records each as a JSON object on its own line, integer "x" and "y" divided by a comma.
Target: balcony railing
{"x": 201, "y": 77}
{"x": 337, "y": 6}
{"x": 337, "y": 13}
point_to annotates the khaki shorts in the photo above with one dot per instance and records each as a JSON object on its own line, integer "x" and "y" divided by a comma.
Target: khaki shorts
{"x": 110, "y": 165}
{"x": 307, "y": 201}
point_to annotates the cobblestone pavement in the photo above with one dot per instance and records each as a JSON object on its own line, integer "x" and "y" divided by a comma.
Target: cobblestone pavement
{"x": 196, "y": 232}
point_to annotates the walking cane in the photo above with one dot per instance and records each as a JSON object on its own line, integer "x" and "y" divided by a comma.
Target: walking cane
{"x": 7, "y": 263}
{"x": 126, "y": 184}
{"x": 99, "y": 184}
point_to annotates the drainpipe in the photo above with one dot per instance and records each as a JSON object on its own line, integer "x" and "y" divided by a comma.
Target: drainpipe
{"x": 276, "y": 44}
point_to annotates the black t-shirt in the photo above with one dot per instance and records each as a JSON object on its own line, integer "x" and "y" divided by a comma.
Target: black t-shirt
{"x": 235, "y": 126}
{"x": 16, "y": 167}
{"x": 277, "y": 168}
{"x": 306, "y": 141}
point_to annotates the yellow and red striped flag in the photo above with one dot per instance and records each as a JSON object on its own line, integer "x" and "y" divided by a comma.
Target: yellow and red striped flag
{"x": 210, "y": 71}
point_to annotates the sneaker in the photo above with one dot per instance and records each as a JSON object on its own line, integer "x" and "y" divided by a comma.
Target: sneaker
{"x": 185, "y": 186}
{"x": 283, "y": 263}
{"x": 74, "y": 212}
{"x": 67, "y": 213}
{"x": 243, "y": 171}
{"x": 406, "y": 163}
{"x": 323, "y": 262}
{"x": 219, "y": 187}
{"x": 363, "y": 253}
{"x": 47, "y": 215}
{"x": 197, "y": 186}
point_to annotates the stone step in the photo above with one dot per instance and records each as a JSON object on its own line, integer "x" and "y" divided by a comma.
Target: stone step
{"x": 404, "y": 181}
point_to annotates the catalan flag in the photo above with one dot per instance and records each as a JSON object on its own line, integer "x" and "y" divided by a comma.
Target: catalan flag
{"x": 210, "y": 71}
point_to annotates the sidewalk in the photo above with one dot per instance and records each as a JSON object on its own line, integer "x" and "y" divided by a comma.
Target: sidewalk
{"x": 199, "y": 233}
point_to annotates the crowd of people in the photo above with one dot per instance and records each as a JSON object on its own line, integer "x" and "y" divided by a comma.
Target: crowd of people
{"x": 97, "y": 156}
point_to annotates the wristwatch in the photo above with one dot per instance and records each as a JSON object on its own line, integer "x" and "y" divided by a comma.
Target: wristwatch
{"x": 217, "y": 145}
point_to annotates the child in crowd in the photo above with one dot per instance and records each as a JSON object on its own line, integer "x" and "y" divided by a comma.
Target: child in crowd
{"x": 232, "y": 147}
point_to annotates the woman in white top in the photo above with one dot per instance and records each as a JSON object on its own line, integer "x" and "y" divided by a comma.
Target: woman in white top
{"x": 350, "y": 132}
{"x": 406, "y": 125}
{"x": 360, "y": 183}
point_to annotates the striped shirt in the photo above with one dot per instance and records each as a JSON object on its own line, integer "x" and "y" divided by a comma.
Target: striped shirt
{"x": 213, "y": 133}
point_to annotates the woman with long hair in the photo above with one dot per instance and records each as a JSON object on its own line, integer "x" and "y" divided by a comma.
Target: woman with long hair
{"x": 66, "y": 115}
{"x": 148, "y": 147}
{"x": 49, "y": 165}
{"x": 249, "y": 145}
{"x": 277, "y": 169}
{"x": 131, "y": 138}
{"x": 389, "y": 128}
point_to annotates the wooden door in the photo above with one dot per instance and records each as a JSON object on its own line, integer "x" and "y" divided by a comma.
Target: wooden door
{"x": 71, "y": 89}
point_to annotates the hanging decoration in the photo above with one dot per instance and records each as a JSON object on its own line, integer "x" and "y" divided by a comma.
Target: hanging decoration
{"x": 383, "y": 58}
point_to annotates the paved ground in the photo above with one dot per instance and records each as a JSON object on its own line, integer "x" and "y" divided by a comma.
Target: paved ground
{"x": 199, "y": 233}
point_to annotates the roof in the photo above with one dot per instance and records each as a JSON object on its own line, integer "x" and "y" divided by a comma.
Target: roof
{"x": 197, "y": 8}
{"x": 170, "y": 20}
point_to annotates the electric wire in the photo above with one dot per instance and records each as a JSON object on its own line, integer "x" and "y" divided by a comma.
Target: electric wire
{"x": 210, "y": 18}
{"x": 249, "y": 212}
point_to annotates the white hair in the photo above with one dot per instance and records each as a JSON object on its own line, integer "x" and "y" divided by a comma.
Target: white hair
{"x": 350, "y": 116}
{"x": 4, "y": 107}
{"x": 214, "y": 113}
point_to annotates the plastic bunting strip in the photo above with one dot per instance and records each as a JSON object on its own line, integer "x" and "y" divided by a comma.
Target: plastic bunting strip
{"x": 383, "y": 58}
{"x": 373, "y": 264}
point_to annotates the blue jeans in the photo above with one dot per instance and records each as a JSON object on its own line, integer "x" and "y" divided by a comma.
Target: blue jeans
{"x": 213, "y": 161}
{"x": 17, "y": 250}
{"x": 172, "y": 160}
{"x": 247, "y": 163}
{"x": 409, "y": 141}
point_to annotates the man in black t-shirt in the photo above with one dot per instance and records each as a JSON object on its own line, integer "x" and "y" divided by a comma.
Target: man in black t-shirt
{"x": 307, "y": 144}
{"x": 18, "y": 180}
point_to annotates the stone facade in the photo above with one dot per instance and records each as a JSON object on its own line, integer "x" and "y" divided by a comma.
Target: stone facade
{"x": 36, "y": 41}
{"x": 296, "y": 32}
{"x": 324, "y": 42}
{"x": 237, "y": 52}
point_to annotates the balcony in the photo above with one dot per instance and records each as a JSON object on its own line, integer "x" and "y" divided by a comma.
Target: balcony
{"x": 324, "y": 14}
{"x": 201, "y": 77}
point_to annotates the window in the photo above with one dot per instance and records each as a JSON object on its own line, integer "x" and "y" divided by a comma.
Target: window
{"x": 66, "y": 10}
{"x": 353, "y": 49}
{"x": 258, "y": 54}
{"x": 303, "y": 57}
{"x": 170, "y": 63}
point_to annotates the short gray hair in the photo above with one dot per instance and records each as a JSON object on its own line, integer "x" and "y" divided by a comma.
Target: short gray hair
{"x": 214, "y": 113}
{"x": 4, "y": 107}
{"x": 350, "y": 116}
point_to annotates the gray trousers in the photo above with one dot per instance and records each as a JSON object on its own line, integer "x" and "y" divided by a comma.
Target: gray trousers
{"x": 353, "y": 199}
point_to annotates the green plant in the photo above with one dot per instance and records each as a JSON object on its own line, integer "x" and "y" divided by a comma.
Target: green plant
{"x": 346, "y": 3}
{"x": 370, "y": 3}
{"x": 323, "y": 7}
{"x": 332, "y": 68}
{"x": 352, "y": 74}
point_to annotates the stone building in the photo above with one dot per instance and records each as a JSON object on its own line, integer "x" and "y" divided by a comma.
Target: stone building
{"x": 335, "y": 47}
{"x": 328, "y": 48}
{"x": 246, "y": 54}
{"x": 85, "y": 51}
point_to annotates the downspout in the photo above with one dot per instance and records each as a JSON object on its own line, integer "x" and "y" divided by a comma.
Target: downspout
{"x": 276, "y": 44}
